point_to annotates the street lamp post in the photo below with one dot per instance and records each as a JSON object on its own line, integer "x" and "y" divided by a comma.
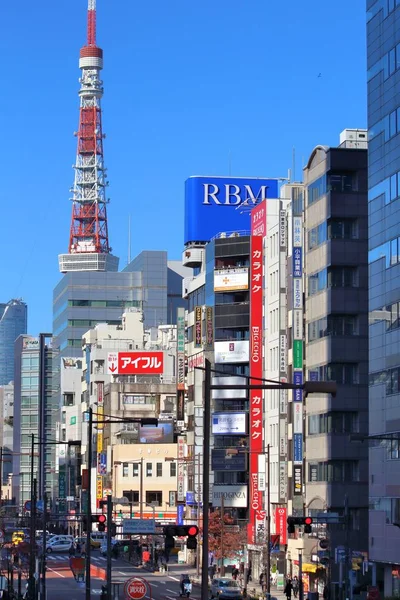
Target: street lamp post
{"x": 105, "y": 419}
{"x": 308, "y": 387}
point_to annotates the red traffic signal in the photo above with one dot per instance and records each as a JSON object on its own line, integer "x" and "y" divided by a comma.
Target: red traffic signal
{"x": 193, "y": 530}
{"x": 308, "y": 521}
{"x": 102, "y": 519}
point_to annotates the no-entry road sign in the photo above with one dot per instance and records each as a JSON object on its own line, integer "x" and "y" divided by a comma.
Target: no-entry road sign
{"x": 135, "y": 588}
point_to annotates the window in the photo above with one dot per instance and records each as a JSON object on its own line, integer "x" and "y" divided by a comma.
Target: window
{"x": 389, "y": 251}
{"x": 345, "y": 229}
{"x": 318, "y": 235}
{"x": 133, "y": 497}
{"x": 392, "y": 381}
{"x": 333, "y": 325}
{"x": 317, "y": 282}
{"x": 333, "y": 422}
{"x": 136, "y": 467}
{"x": 125, "y": 469}
{"x": 393, "y": 449}
{"x": 334, "y": 471}
{"x": 341, "y": 182}
{"x": 159, "y": 469}
{"x": 342, "y": 373}
{"x": 316, "y": 190}
{"x": 342, "y": 277}
{"x": 154, "y": 498}
{"x": 149, "y": 469}
{"x": 172, "y": 469}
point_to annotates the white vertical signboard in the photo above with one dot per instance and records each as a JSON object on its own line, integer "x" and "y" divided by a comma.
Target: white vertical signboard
{"x": 181, "y": 469}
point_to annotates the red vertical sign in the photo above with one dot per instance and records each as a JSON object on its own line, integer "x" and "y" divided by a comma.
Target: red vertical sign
{"x": 257, "y": 513}
{"x": 281, "y": 524}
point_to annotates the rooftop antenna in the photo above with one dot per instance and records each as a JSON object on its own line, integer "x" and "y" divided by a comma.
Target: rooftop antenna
{"x": 294, "y": 164}
{"x": 129, "y": 239}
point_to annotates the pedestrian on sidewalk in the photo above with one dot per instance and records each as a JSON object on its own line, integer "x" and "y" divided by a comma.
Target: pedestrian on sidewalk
{"x": 288, "y": 589}
{"x": 295, "y": 585}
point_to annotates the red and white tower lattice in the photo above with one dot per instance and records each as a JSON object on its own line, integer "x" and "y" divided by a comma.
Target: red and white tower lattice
{"x": 89, "y": 248}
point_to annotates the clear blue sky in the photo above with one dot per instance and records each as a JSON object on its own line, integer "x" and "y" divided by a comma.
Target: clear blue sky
{"x": 186, "y": 84}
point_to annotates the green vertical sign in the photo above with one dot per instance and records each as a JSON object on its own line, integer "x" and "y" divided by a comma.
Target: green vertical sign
{"x": 297, "y": 354}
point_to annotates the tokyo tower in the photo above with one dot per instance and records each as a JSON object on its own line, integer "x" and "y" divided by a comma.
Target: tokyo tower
{"x": 89, "y": 248}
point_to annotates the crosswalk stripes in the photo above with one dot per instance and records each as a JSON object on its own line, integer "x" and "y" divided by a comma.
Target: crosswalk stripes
{"x": 50, "y": 557}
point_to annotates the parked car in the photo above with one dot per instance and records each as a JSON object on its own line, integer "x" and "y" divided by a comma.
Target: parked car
{"x": 224, "y": 587}
{"x": 59, "y": 543}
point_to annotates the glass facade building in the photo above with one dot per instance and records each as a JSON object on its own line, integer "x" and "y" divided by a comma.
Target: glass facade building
{"x": 383, "y": 63}
{"x": 36, "y": 412}
{"x": 13, "y": 322}
{"x": 82, "y": 299}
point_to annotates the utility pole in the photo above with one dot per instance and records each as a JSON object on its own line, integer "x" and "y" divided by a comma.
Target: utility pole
{"x": 206, "y": 478}
{"x": 222, "y": 534}
{"x": 32, "y": 580}
{"x": 268, "y": 569}
{"x": 109, "y": 566}
{"x": 141, "y": 488}
{"x": 1, "y": 476}
{"x": 198, "y": 514}
{"x": 301, "y": 588}
{"x": 89, "y": 502}
{"x": 347, "y": 588}
{"x": 44, "y": 539}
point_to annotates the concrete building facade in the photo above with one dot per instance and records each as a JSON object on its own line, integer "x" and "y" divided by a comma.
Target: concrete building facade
{"x": 335, "y": 470}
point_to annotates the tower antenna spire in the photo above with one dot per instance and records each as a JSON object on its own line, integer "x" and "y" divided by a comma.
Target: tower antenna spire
{"x": 89, "y": 248}
{"x": 91, "y": 23}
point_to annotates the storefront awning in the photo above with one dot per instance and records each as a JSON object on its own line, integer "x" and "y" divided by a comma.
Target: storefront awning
{"x": 309, "y": 568}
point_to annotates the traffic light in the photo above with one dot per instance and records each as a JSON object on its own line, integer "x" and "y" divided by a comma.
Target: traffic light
{"x": 307, "y": 525}
{"x": 189, "y": 531}
{"x": 113, "y": 529}
{"x": 299, "y": 521}
{"x": 191, "y": 543}
{"x": 101, "y": 522}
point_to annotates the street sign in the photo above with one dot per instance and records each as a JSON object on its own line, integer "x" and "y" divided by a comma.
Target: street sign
{"x": 135, "y": 588}
{"x": 138, "y": 526}
{"x": 39, "y": 505}
{"x": 112, "y": 363}
{"x": 324, "y": 544}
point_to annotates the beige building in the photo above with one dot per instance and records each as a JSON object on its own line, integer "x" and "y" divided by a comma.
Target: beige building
{"x": 158, "y": 478}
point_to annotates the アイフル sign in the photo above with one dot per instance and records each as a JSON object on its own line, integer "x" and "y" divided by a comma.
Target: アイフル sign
{"x": 135, "y": 363}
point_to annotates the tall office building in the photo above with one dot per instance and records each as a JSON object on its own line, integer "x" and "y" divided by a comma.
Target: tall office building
{"x": 334, "y": 469}
{"x": 383, "y": 61}
{"x": 13, "y": 322}
{"x": 82, "y": 300}
{"x": 36, "y": 413}
{"x": 6, "y": 425}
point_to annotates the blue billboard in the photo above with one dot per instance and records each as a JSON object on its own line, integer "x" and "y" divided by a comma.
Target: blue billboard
{"x": 211, "y": 204}
{"x": 298, "y": 447}
{"x": 297, "y": 262}
{"x": 298, "y": 380}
